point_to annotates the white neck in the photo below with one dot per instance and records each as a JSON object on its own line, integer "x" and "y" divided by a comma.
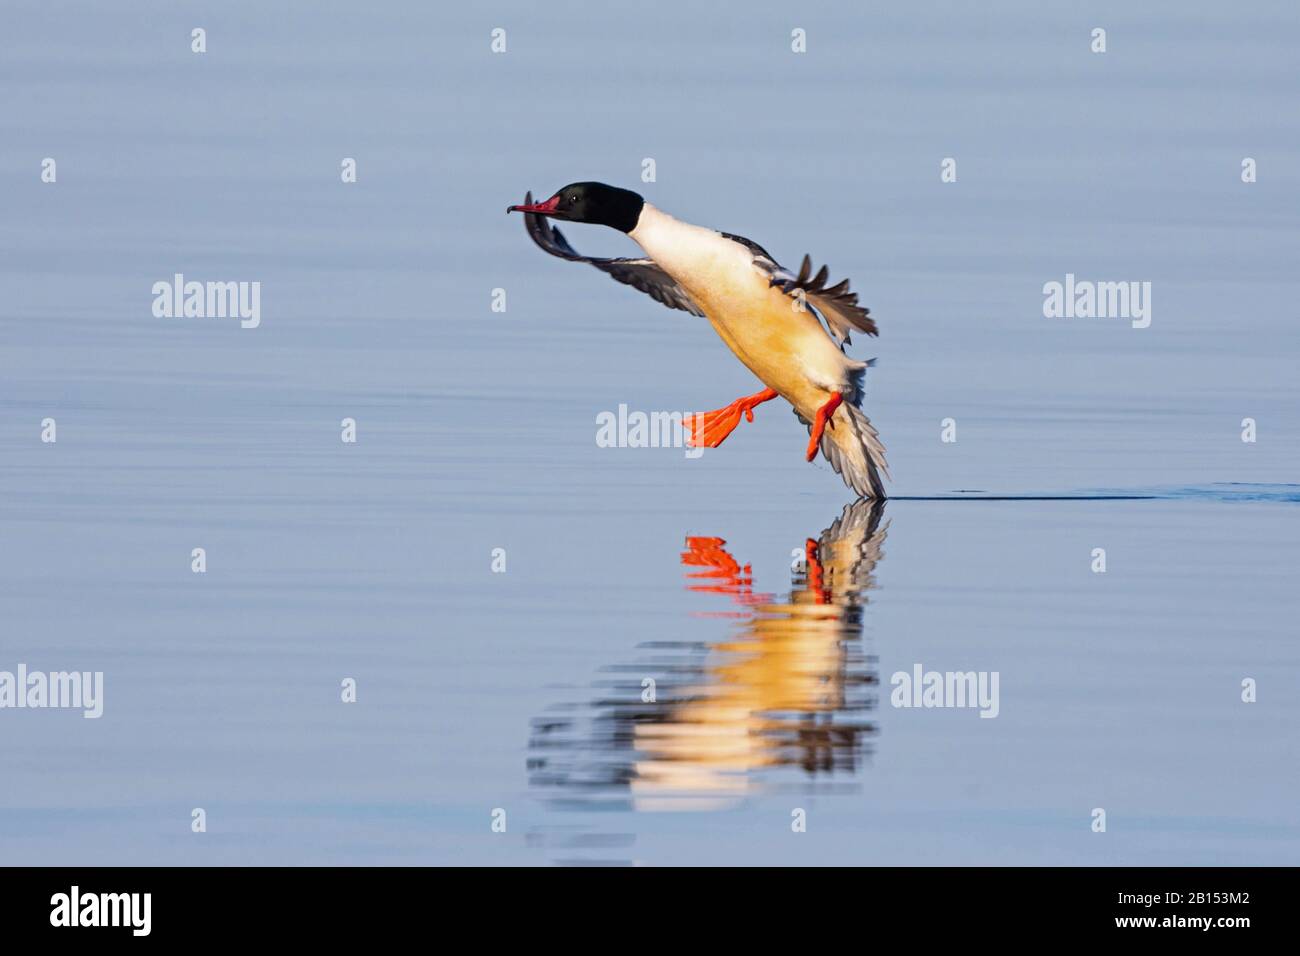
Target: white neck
{"x": 651, "y": 221}
{"x": 675, "y": 245}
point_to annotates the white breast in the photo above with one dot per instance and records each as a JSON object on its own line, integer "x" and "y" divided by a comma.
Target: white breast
{"x": 698, "y": 258}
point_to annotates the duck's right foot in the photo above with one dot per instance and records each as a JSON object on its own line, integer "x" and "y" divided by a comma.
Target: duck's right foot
{"x": 822, "y": 419}
{"x": 710, "y": 429}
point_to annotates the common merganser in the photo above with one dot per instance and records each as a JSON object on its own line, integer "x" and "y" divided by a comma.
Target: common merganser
{"x": 767, "y": 315}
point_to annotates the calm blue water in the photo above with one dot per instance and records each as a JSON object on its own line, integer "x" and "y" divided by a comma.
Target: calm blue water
{"x": 523, "y": 690}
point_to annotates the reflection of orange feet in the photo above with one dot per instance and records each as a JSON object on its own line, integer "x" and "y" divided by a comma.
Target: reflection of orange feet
{"x": 723, "y": 574}
{"x": 819, "y": 423}
{"x": 815, "y": 579}
{"x": 710, "y": 429}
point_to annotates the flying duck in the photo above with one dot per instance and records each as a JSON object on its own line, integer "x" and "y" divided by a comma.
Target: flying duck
{"x": 789, "y": 329}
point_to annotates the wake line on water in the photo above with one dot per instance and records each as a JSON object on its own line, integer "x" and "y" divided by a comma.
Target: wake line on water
{"x": 1223, "y": 491}
{"x": 980, "y": 496}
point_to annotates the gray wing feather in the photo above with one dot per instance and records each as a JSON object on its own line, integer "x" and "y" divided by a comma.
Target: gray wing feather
{"x": 641, "y": 274}
{"x": 861, "y": 463}
{"x": 837, "y": 306}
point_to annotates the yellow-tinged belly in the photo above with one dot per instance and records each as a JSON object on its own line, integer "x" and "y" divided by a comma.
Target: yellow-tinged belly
{"x": 781, "y": 344}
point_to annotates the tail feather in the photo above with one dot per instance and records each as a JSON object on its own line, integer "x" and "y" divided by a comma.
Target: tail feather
{"x": 854, "y": 449}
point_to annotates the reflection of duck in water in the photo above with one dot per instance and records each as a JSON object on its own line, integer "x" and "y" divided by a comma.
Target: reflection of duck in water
{"x": 788, "y": 689}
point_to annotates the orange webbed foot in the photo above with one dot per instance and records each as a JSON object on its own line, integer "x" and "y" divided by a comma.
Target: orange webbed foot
{"x": 819, "y": 423}
{"x": 710, "y": 429}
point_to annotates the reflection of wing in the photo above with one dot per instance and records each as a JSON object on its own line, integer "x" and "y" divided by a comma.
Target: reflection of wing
{"x": 642, "y": 274}
{"x": 850, "y": 549}
{"x": 837, "y": 306}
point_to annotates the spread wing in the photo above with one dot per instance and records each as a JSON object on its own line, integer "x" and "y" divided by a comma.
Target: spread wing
{"x": 642, "y": 274}
{"x": 836, "y": 305}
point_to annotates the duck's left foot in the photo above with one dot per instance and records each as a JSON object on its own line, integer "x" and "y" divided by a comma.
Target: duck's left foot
{"x": 819, "y": 423}
{"x": 710, "y": 429}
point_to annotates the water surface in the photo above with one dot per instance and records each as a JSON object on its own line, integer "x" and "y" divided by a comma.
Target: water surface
{"x": 476, "y": 431}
